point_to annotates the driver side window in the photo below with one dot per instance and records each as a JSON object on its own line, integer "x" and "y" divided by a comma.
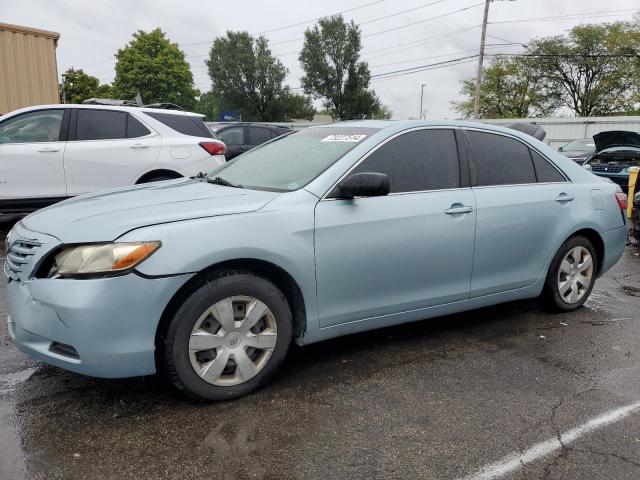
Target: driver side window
{"x": 32, "y": 127}
{"x": 417, "y": 161}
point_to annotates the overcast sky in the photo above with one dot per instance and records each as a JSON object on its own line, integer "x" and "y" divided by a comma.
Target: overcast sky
{"x": 92, "y": 31}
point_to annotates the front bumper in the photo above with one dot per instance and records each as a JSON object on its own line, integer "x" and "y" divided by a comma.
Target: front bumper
{"x": 109, "y": 323}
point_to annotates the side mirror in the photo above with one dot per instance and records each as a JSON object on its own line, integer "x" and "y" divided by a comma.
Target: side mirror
{"x": 560, "y": 149}
{"x": 365, "y": 184}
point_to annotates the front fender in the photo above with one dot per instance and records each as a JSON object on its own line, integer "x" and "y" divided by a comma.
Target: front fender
{"x": 283, "y": 236}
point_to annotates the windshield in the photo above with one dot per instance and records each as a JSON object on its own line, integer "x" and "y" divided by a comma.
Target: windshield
{"x": 290, "y": 162}
{"x": 586, "y": 145}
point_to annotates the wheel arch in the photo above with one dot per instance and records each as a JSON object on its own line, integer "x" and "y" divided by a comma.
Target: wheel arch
{"x": 156, "y": 173}
{"x": 598, "y": 243}
{"x": 270, "y": 271}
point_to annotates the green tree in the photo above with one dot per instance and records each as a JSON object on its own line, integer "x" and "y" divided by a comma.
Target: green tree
{"x": 509, "y": 89}
{"x": 208, "y": 106}
{"x": 590, "y": 69}
{"x": 382, "y": 112}
{"x": 79, "y": 86}
{"x": 155, "y": 68}
{"x": 333, "y": 70}
{"x": 245, "y": 76}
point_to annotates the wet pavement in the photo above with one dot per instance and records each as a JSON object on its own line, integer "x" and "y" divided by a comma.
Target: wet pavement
{"x": 435, "y": 399}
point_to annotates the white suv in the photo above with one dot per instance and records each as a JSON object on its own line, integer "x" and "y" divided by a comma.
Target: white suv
{"x": 52, "y": 152}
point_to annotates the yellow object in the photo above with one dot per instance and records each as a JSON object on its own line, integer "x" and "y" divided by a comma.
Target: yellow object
{"x": 633, "y": 176}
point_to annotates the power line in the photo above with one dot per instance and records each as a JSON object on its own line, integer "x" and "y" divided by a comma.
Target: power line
{"x": 574, "y": 16}
{"x": 436, "y": 67}
{"x": 392, "y": 29}
{"x": 284, "y": 27}
{"x": 318, "y": 18}
{"x": 421, "y": 67}
{"x": 422, "y": 21}
{"x": 492, "y": 45}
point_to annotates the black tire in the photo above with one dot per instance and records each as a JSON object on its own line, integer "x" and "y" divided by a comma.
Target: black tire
{"x": 551, "y": 294}
{"x": 220, "y": 285}
{"x": 157, "y": 178}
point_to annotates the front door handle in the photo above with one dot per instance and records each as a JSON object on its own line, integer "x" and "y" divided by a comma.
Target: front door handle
{"x": 139, "y": 145}
{"x": 48, "y": 150}
{"x": 563, "y": 197}
{"x": 458, "y": 208}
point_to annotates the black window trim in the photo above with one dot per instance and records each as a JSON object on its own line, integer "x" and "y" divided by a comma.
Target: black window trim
{"x": 63, "y": 125}
{"x": 472, "y": 170}
{"x": 462, "y": 164}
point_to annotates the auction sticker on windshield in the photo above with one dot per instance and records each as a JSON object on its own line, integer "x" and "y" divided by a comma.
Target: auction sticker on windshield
{"x": 343, "y": 138}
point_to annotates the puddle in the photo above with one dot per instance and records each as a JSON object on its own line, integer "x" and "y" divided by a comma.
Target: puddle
{"x": 9, "y": 381}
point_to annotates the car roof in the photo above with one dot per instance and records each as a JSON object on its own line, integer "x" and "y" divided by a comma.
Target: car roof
{"x": 106, "y": 107}
{"x": 222, "y": 125}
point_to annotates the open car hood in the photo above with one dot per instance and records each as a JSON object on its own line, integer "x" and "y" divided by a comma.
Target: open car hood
{"x": 616, "y": 138}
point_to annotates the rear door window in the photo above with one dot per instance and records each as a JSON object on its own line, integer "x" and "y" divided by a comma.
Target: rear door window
{"x": 500, "y": 160}
{"x": 417, "y": 161}
{"x": 100, "y": 124}
{"x": 259, "y": 135}
{"x": 185, "y": 124}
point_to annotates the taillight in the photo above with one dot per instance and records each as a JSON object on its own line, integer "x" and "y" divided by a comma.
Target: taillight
{"x": 621, "y": 198}
{"x": 214, "y": 148}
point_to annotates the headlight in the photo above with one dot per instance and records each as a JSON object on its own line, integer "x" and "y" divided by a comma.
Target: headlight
{"x": 636, "y": 198}
{"x": 101, "y": 258}
{"x": 586, "y": 167}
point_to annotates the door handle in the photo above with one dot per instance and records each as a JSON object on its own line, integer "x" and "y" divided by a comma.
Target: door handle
{"x": 48, "y": 150}
{"x": 563, "y": 197}
{"x": 458, "y": 208}
{"x": 139, "y": 145}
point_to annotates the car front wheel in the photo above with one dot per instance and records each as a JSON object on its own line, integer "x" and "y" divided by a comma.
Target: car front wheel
{"x": 572, "y": 275}
{"x": 228, "y": 337}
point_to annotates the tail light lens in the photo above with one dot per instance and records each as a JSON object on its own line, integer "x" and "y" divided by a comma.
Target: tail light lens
{"x": 621, "y": 198}
{"x": 214, "y": 147}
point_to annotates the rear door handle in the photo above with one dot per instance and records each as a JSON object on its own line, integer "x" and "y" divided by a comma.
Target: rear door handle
{"x": 139, "y": 145}
{"x": 563, "y": 197}
{"x": 458, "y": 208}
{"x": 48, "y": 150}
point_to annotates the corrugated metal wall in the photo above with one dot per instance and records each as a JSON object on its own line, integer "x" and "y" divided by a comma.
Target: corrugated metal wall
{"x": 561, "y": 131}
{"x": 28, "y": 68}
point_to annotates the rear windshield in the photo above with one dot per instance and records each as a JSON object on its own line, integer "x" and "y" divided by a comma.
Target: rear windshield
{"x": 185, "y": 124}
{"x": 290, "y": 162}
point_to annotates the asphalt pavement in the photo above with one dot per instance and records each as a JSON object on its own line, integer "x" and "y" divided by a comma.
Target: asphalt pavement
{"x": 503, "y": 392}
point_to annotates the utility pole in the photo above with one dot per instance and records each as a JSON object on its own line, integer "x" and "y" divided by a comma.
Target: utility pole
{"x": 421, "y": 98}
{"x": 476, "y": 105}
{"x": 64, "y": 92}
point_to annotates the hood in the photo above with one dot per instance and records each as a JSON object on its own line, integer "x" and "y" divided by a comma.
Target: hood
{"x": 616, "y": 138}
{"x": 105, "y": 216}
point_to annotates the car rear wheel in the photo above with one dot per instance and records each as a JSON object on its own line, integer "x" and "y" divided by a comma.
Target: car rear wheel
{"x": 228, "y": 338}
{"x": 572, "y": 275}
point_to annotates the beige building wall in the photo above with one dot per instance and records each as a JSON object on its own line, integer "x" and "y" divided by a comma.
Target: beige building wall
{"x": 28, "y": 67}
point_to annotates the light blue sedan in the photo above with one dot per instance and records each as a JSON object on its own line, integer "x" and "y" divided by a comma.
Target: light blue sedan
{"x": 324, "y": 232}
